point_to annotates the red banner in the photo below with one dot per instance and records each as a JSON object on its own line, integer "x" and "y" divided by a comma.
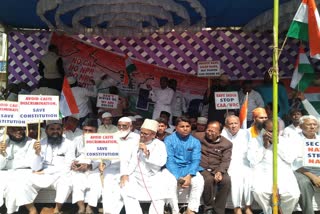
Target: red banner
{"x": 87, "y": 62}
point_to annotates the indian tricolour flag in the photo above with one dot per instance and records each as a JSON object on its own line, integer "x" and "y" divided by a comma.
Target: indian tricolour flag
{"x": 130, "y": 67}
{"x": 306, "y": 26}
{"x": 68, "y": 104}
{"x": 243, "y": 116}
{"x": 303, "y": 73}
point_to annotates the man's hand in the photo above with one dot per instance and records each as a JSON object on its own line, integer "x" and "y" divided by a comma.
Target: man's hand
{"x": 316, "y": 181}
{"x": 144, "y": 148}
{"x": 80, "y": 167}
{"x": 301, "y": 96}
{"x": 267, "y": 139}
{"x": 37, "y": 147}
{"x": 3, "y": 147}
{"x": 123, "y": 180}
{"x": 187, "y": 182}
{"x": 102, "y": 167}
{"x": 218, "y": 176}
{"x": 39, "y": 172}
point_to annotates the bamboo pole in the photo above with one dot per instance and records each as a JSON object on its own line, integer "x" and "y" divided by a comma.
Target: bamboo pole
{"x": 4, "y": 153}
{"x": 275, "y": 79}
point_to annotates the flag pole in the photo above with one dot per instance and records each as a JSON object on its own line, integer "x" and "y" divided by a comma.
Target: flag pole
{"x": 275, "y": 79}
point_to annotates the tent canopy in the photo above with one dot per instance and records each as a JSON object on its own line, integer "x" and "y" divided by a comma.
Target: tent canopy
{"x": 226, "y": 13}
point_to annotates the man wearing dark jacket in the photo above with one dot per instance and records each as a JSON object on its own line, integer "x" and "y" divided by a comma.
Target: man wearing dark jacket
{"x": 215, "y": 160}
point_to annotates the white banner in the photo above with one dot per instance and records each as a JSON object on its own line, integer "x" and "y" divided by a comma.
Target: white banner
{"x": 101, "y": 146}
{"x": 107, "y": 100}
{"x": 9, "y": 114}
{"x": 208, "y": 68}
{"x": 311, "y": 153}
{"x": 226, "y": 100}
{"x": 38, "y": 107}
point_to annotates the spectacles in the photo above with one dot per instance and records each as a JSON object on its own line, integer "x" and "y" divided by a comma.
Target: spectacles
{"x": 144, "y": 134}
{"x": 120, "y": 126}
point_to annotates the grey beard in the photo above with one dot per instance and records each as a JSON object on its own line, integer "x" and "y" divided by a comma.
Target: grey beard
{"x": 54, "y": 140}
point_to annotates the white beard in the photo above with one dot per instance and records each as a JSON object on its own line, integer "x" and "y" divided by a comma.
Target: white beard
{"x": 122, "y": 134}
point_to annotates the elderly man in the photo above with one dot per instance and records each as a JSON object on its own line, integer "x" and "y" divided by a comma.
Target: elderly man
{"x": 114, "y": 173}
{"x": 259, "y": 116}
{"x": 146, "y": 182}
{"x": 107, "y": 126}
{"x": 308, "y": 177}
{"x": 260, "y": 156}
{"x": 184, "y": 154}
{"x": 19, "y": 156}
{"x": 86, "y": 183}
{"x": 57, "y": 154}
{"x": 239, "y": 169}
{"x": 215, "y": 160}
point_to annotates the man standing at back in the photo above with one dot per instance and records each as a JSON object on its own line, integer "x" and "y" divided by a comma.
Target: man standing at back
{"x": 184, "y": 154}
{"x": 162, "y": 98}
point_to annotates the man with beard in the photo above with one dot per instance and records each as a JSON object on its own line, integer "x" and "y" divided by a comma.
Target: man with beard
{"x": 57, "y": 154}
{"x": 19, "y": 156}
{"x": 239, "y": 169}
{"x": 146, "y": 182}
{"x": 183, "y": 163}
{"x": 260, "y": 155}
{"x": 107, "y": 126}
{"x": 114, "y": 172}
{"x": 216, "y": 153}
{"x": 86, "y": 183}
{"x": 259, "y": 116}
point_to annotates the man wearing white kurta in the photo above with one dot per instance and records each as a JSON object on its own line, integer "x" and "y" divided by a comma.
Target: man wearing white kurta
{"x": 162, "y": 98}
{"x": 260, "y": 155}
{"x": 19, "y": 156}
{"x": 128, "y": 147}
{"x": 57, "y": 154}
{"x": 308, "y": 177}
{"x": 86, "y": 182}
{"x": 293, "y": 130}
{"x": 107, "y": 126}
{"x": 146, "y": 182}
{"x": 239, "y": 169}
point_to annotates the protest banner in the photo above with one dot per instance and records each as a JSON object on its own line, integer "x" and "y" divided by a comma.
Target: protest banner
{"x": 9, "y": 114}
{"x": 107, "y": 100}
{"x": 311, "y": 153}
{"x": 208, "y": 69}
{"x": 36, "y": 107}
{"x": 226, "y": 100}
{"x": 101, "y": 146}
